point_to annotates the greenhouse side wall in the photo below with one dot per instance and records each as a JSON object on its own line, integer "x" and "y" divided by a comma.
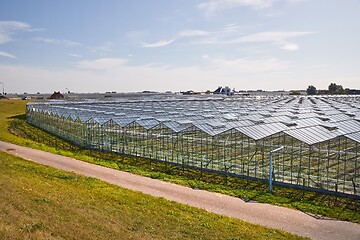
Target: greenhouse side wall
{"x": 330, "y": 166}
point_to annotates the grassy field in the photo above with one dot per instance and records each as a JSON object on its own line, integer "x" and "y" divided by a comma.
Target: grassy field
{"x": 12, "y": 118}
{"x": 39, "y": 202}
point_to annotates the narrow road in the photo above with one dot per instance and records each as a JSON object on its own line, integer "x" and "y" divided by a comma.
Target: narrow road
{"x": 263, "y": 214}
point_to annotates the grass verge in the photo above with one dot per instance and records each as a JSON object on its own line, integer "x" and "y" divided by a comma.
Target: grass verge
{"x": 39, "y": 202}
{"x": 12, "y": 118}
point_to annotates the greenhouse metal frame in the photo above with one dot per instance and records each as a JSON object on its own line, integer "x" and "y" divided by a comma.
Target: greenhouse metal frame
{"x": 229, "y": 135}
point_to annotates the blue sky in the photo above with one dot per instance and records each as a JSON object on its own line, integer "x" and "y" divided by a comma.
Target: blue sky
{"x": 160, "y": 45}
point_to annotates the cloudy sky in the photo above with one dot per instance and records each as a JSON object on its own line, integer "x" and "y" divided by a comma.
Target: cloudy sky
{"x": 160, "y": 45}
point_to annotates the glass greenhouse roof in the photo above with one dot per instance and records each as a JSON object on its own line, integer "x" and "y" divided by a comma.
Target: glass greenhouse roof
{"x": 310, "y": 119}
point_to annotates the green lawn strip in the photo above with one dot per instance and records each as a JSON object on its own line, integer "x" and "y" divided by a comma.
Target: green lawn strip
{"x": 306, "y": 201}
{"x": 40, "y": 202}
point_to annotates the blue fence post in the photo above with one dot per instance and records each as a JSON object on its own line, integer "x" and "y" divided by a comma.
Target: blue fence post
{"x": 271, "y": 168}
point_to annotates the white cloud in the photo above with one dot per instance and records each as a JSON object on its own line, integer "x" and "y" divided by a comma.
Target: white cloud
{"x": 211, "y": 7}
{"x": 182, "y": 34}
{"x": 271, "y": 36}
{"x": 54, "y": 41}
{"x": 325, "y": 66}
{"x": 103, "y": 49}
{"x": 192, "y": 33}
{"x": 13, "y": 25}
{"x": 5, "y": 54}
{"x": 161, "y": 43}
{"x": 278, "y": 38}
{"x": 289, "y": 46}
{"x": 4, "y": 38}
{"x": 74, "y": 55}
{"x": 115, "y": 74}
{"x": 218, "y": 65}
{"x": 244, "y": 65}
{"x": 102, "y": 64}
{"x": 215, "y": 68}
{"x": 274, "y": 14}
{"x": 231, "y": 27}
{"x": 8, "y": 28}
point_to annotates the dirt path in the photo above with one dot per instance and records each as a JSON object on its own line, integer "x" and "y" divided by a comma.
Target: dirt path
{"x": 264, "y": 214}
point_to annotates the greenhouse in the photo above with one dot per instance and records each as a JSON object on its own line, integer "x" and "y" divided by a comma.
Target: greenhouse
{"x": 229, "y": 135}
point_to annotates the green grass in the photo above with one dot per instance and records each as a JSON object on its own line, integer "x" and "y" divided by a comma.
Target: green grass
{"x": 318, "y": 204}
{"x": 39, "y": 202}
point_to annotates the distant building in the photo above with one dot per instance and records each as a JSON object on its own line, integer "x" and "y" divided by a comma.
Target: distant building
{"x": 352, "y": 91}
{"x": 189, "y": 92}
{"x": 56, "y": 95}
{"x": 224, "y": 90}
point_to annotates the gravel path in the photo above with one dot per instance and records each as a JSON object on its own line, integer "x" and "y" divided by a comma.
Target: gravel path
{"x": 263, "y": 214}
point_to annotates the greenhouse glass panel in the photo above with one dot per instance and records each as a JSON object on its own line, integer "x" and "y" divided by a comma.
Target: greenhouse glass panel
{"x": 229, "y": 135}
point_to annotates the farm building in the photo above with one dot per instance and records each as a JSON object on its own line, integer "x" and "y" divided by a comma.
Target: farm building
{"x": 56, "y": 95}
{"x": 228, "y": 135}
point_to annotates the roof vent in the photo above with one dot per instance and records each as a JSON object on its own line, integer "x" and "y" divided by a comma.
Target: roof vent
{"x": 330, "y": 127}
{"x": 289, "y": 124}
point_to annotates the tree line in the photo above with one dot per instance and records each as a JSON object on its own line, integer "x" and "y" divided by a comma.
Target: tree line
{"x": 333, "y": 88}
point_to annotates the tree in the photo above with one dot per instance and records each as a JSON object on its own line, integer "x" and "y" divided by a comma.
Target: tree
{"x": 293, "y": 92}
{"x": 311, "y": 90}
{"x": 340, "y": 89}
{"x": 336, "y": 89}
{"x": 332, "y": 87}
